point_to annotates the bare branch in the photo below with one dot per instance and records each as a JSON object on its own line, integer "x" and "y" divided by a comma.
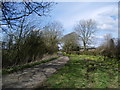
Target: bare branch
{"x": 85, "y": 29}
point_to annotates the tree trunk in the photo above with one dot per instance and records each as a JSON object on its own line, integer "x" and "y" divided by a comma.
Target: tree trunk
{"x": 84, "y": 46}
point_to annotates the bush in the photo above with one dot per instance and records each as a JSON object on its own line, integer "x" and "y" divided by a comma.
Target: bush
{"x": 26, "y": 50}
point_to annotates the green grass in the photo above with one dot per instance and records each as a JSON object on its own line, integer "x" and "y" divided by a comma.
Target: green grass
{"x": 21, "y": 67}
{"x": 81, "y": 73}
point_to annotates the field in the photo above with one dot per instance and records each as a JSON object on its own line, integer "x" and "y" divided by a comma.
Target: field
{"x": 85, "y": 71}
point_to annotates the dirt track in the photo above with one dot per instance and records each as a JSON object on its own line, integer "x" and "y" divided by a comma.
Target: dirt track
{"x": 34, "y": 76}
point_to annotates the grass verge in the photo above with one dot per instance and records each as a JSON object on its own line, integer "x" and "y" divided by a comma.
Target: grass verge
{"x": 82, "y": 73}
{"x": 21, "y": 67}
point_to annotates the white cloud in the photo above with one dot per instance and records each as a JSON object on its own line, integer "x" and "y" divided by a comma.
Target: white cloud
{"x": 105, "y": 14}
{"x": 4, "y": 25}
{"x": 105, "y": 27}
{"x": 107, "y": 17}
{"x": 99, "y": 37}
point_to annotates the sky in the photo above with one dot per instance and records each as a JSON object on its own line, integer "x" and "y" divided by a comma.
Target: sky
{"x": 69, "y": 13}
{"x": 104, "y": 13}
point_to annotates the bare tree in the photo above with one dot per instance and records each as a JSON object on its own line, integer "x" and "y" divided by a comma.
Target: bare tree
{"x": 108, "y": 48}
{"x": 14, "y": 11}
{"x": 24, "y": 43}
{"x": 71, "y": 42}
{"x": 85, "y": 29}
{"x": 52, "y": 33}
{"x": 14, "y": 15}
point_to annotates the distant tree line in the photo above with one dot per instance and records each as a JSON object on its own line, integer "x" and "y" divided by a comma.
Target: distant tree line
{"x": 83, "y": 32}
{"x": 24, "y": 43}
{"x": 109, "y": 48}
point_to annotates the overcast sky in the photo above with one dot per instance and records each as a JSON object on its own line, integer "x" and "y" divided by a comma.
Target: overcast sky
{"x": 104, "y": 13}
